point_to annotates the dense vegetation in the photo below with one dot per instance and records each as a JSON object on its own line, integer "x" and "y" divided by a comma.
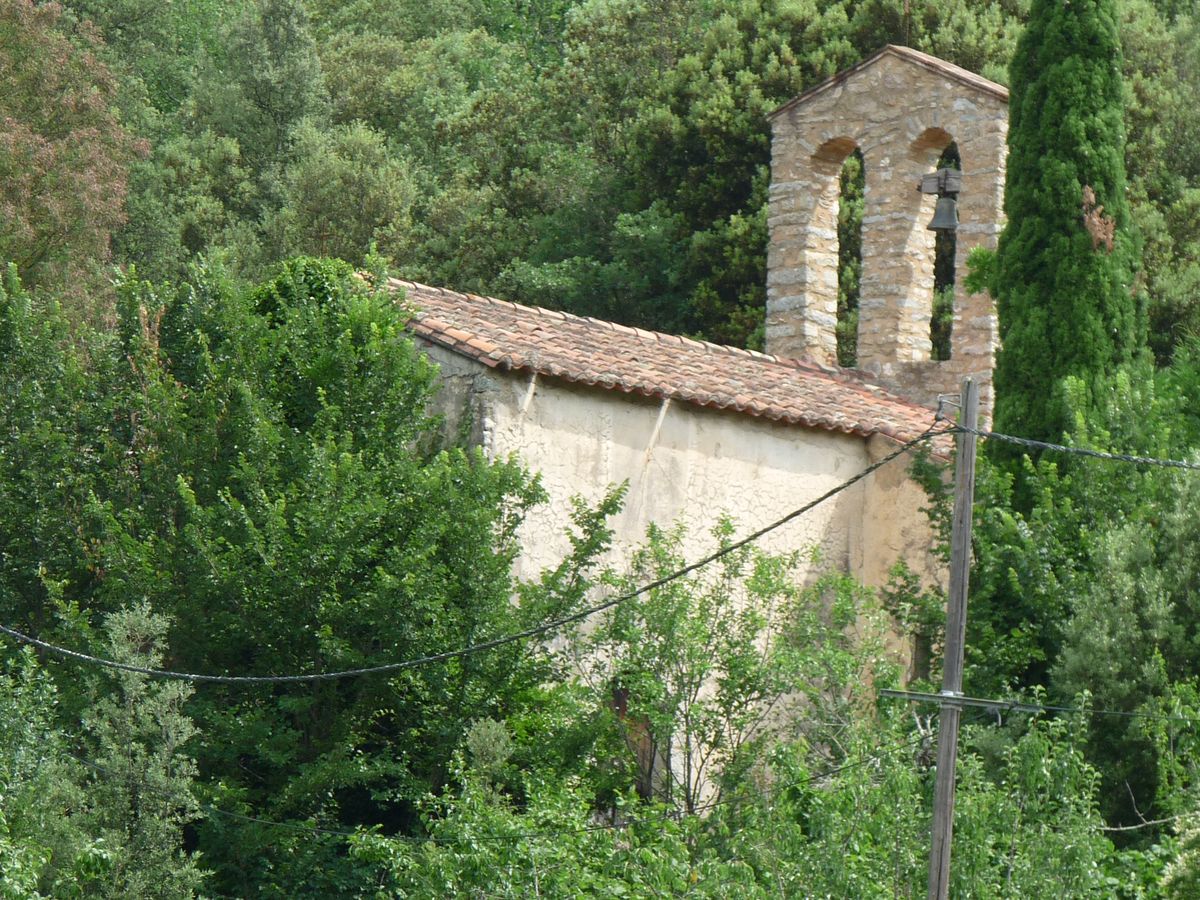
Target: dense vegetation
{"x": 605, "y": 157}
{"x": 215, "y": 455}
{"x": 245, "y": 481}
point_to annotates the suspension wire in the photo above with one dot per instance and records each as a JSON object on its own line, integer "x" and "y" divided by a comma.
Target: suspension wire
{"x": 535, "y": 631}
{"x": 1031, "y": 444}
{"x": 1022, "y": 706}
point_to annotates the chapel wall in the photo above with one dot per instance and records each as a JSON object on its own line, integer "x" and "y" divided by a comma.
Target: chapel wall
{"x": 687, "y": 464}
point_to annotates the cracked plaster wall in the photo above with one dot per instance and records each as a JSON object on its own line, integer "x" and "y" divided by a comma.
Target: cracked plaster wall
{"x": 685, "y": 463}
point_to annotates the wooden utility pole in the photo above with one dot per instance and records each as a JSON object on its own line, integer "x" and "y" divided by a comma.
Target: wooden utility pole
{"x": 956, "y": 630}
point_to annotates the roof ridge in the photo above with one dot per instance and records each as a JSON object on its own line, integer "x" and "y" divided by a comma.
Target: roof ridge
{"x": 543, "y": 311}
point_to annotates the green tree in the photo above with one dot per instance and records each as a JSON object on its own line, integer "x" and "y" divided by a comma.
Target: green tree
{"x": 157, "y": 45}
{"x": 1130, "y": 639}
{"x": 1069, "y": 590}
{"x": 482, "y": 844}
{"x": 269, "y": 80}
{"x": 977, "y": 36}
{"x": 1064, "y": 283}
{"x": 195, "y": 195}
{"x": 803, "y": 827}
{"x": 706, "y": 672}
{"x": 108, "y": 824}
{"x": 673, "y": 98}
{"x": 343, "y": 192}
{"x": 850, "y": 213}
{"x": 667, "y": 103}
{"x": 556, "y": 152}
{"x": 140, "y": 796}
{"x": 63, "y": 150}
{"x": 261, "y": 465}
{"x": 1162, "y": 73}
{"x": 43, "y": 849}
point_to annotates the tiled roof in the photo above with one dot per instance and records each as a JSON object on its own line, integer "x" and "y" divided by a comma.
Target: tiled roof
{"x": 509, "y": 336}
{"x": 940, "y": 66}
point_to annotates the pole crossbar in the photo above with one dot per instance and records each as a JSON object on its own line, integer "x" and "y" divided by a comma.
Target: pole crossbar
{"x": 944, "y": 699}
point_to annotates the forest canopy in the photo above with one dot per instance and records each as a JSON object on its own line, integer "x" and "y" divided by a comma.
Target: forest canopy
{"x": 217, "y": 455}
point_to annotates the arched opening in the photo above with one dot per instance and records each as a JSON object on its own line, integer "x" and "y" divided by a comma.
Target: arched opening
{"x": 850, "y": 216}
{"x": 941, "y": 319}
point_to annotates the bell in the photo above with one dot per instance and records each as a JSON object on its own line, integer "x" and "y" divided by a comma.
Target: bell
{"x": 945, "y": 217}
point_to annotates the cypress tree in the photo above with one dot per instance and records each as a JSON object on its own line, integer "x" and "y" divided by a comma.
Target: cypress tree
{"x": 1066, "y": 260}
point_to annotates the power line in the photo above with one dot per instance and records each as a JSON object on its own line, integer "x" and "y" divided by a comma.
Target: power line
{"x": 471, "y": 649}
{"x": 1021, "y": 706}
{"x": 1031, "y": 444}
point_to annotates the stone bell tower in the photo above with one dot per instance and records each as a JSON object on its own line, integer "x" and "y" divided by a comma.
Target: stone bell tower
{"x": 900, "y": 109}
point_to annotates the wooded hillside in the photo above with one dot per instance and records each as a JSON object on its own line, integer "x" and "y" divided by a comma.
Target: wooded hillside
{"x": 216, "y": 458}
{"x": 607, "y": 158}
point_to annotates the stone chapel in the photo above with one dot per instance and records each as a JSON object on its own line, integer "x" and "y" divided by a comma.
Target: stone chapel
{"x": 697, "y": 429}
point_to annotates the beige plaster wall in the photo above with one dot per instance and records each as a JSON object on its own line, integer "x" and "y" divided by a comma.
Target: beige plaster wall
{"x": 684, "y": 462}
{"x": 894, "y": 525}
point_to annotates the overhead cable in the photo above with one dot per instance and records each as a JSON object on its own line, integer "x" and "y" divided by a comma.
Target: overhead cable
{"x": 1031, "y": 444}
{"x": 1022, "y": 706}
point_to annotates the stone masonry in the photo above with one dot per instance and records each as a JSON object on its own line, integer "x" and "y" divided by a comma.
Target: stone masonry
{"x": 901, "y": 109}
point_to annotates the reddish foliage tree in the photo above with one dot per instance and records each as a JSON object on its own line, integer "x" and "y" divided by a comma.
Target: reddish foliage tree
{"x": 63, "y": 151}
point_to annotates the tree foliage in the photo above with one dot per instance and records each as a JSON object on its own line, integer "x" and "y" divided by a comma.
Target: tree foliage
{"x": 258, "y": 462}
{"x": 605, "y": 157}
{"x": 269, "y": 81}
{"x": 344, "y": 192}
{"x": 704, "y": 674}
{"x": 1064, "y": 284}
{"x": 860, "y": 831}
{"x": 1070, "y": 588}
{"x": 140, "y": 793}
{"x": 62, "y": 163}
{"x": 97, "y": 813}
{"x": 260, "y": 466}
{"x": 608, "y": 158}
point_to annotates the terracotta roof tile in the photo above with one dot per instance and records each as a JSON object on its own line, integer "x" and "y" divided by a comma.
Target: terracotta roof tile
{"x": 632, "y": 360}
